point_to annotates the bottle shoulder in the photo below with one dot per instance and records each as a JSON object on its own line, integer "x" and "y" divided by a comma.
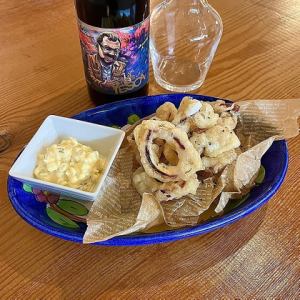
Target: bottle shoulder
{"x": 112, "y": 14}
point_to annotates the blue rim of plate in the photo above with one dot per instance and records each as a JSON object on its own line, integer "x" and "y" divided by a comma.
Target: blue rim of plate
{"x": 164, "y": 236}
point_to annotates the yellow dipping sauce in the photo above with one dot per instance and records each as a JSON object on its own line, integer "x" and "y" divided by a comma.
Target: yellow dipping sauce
{"x": 71, "y": 164}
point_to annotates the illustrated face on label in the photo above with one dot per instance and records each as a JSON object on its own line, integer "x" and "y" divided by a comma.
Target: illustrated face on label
{"x": 116, "y": 60}
{"x": 109, "y": 47}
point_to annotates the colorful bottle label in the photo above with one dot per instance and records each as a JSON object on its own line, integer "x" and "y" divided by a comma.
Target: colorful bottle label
{"x": 116, "y": 60}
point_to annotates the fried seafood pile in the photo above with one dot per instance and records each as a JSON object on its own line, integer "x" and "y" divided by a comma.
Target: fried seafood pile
{"x": 178, "y": 148}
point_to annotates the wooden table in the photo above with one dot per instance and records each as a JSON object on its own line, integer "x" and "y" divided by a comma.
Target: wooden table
{"x": 41, "y": 74}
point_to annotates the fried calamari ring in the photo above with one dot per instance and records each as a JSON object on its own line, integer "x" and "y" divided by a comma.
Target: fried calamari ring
{"x": 166, "y": 112}
{"x": 144, "y": 183}
{"x": 216, "y": 164}
{"x": 163, "y": 191}
{"x": 228, "y": 120}
{"x": 157, "y": 150}
{"x": 187, "y": 108}
{"x": 220, "y": 106}
{"x": 206, "y": 117}
{"x": 220, "y": 139}
{"x": 170, "y": 155}
{"x": 199, "y": 141}
{"x": 133, "y": 146}
{"x": 175, "y": 190}
{"x": 189, "y": 160}
{"x": 157, "y": 145}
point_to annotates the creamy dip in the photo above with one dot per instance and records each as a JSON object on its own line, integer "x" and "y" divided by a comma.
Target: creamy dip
{"x": 71, "y": 164}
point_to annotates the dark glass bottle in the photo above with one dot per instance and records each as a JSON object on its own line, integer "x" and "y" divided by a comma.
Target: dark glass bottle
{"x": 114, "y": 38}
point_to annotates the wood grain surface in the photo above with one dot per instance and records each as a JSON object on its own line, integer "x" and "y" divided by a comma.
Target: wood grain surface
{"x": 42, "y": 74}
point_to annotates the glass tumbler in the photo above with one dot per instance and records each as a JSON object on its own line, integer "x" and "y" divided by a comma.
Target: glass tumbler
{"x": 184, "y": 37}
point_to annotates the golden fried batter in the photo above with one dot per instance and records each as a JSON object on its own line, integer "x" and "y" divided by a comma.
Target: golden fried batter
{"x": 228, "y": 120}
{"x": 175, "y": 190}
{"x": 220, "y": 106}
{"x": 189, "y": 161}
{"x": 170, "y": 155}
{"x": 144, "y": 183}
{"x": 166, "y": 112}
{"x": 220, "y": 139}
{"x": 219, "y": 162}
{"x": 206, "y": 117}
{"x": 199, "y": 141}
{"x": 187, "y": 108}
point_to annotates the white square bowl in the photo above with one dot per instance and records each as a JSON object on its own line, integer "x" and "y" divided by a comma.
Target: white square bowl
{"x": 105, "y": 140}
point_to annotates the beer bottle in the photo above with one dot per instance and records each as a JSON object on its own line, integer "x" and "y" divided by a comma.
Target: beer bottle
{"x": 114, "y": 38}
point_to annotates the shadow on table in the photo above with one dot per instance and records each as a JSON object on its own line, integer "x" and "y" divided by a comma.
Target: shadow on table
{"x": 74, "y": 270}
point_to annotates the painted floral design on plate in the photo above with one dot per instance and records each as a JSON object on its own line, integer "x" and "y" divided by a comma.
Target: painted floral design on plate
{"x": 65, "y": 212}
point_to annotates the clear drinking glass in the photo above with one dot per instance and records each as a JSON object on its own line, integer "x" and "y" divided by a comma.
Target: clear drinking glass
{"x": 184, "y": 37}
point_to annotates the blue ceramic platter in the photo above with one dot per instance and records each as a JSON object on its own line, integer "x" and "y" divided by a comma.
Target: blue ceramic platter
{"x": 24, "y": 199}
